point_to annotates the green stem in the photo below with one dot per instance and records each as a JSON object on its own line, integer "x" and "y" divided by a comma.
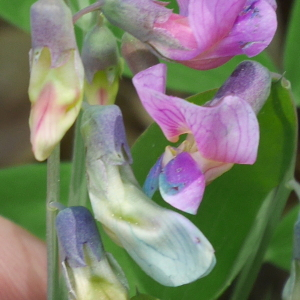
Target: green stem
{"x": 78, "y": 189}
{"x": 53, "y": 189}
{"x": 88, "y": 9}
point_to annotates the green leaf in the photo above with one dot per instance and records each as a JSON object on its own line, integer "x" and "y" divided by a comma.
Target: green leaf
{"x": 280, "y": 249}
{"x": 291, "y": 53}
{"x": 235, "y": 212}
{"x": 23, "y": 194}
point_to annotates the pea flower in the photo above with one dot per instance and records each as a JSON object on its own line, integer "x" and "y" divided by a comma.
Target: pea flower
{"x": 166, "y": 245}
{"x": 204, "y": 35}
{"x": 90, "y": 272}
{"x": 56, "y": 80}
{"x": 102, "y": 65}
{"x": 221, "y": 133}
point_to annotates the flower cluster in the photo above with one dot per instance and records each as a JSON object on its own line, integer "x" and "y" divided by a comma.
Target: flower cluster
{"x": 224, "y": 131}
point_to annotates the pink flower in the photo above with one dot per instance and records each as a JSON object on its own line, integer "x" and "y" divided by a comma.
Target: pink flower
{"x": 221, "y": 133}
{"x": 204, "y": 35}
{"x": 57, "y": 76}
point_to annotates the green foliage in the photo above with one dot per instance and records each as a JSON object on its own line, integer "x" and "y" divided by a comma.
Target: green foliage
{"x": 291, "y": 53}
{"x": 280, "y": 249}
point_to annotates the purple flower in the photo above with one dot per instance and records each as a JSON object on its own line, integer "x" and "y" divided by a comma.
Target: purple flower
{"x": 221, "y": 133}
{"x": 204, "y": 35}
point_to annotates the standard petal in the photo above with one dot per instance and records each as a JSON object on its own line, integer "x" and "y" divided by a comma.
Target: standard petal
{"x": 252, "y": 32}
{"x": 216, "y": 21}
{"x": 165, "y": 110}
{"x": 182, "y": 183}
{"x": 226, "y": 132}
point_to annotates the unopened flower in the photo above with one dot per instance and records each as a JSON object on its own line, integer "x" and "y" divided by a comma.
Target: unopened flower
{"x": 137, "y": 54}
{"x": 221, "y": 133}
{"x": 91, "y": 273}
{"x": 102, "y": 65}
{"x": 166, "y": 245}
{"x": 204, "y": 35}
{"x": 56, "y": 80}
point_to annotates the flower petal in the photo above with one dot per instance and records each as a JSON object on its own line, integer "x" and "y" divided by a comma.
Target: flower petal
{"x": 182, "y": 183}
{"x": 252, "y": 32}
{"x": 216, "y": 21}
{"x": 166, "y": 245}
{"x": 76, "y": 227}
{"x": 226, "y": 132}
{"x": 151, "y": 183}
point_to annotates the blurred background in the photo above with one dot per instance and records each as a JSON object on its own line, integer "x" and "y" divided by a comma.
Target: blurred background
{"x": 15, "y": 148}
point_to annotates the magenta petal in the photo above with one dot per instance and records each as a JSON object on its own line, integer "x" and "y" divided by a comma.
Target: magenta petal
{"x": 182, "y": 183}
{"x": 216, "y": 20}
{"x": 226, "y": 132}
{"x": 165, "y": 110}
{"x": 252, "y": 32}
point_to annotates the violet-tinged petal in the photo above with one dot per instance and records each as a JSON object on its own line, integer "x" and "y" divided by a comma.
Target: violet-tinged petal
{"x": 226, "y": 132}
{"x": 182, "y": 183}
{"x": 249, "y": 81}
{"x": 52, "y": 27}
{"x": 76, "y": 227}
{"x": 151, "y": 183}
{"x": 104, "y": 134}
{"x": 183, "y": 7}
{"x": 252, "y": 32}
{"x": 216, "y": 21}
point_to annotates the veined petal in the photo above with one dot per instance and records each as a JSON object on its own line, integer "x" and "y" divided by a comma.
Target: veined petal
{"x": 216, "y": 21}
{"x": 56, "y": 95}
{"x": 252, "y": 32}
{"x": 150, "y": 85}
{"x": 226, "y": 132}
{"x": 166, "y": 245}
{"x": 182, "y": 183}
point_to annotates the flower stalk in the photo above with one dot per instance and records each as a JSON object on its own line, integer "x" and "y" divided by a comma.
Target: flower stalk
{"x": 53, "y": 190}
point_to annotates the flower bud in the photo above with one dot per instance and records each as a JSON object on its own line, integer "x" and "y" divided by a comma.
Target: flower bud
{"x": 56, "y": 80}
{"x": 137, "y": 54}
{"x": 249, "y": 81}
{"x": 91, "y": 273}
{"x": 102, "y": 65}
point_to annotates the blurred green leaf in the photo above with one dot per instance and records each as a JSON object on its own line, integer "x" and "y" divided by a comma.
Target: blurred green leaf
{"x": 23, "y": 194}
{"x": 16, "y": 12}
{"x": 291, "y": 53}
{"x": 237, "y": 207}
{"x": 279, "y": 252}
